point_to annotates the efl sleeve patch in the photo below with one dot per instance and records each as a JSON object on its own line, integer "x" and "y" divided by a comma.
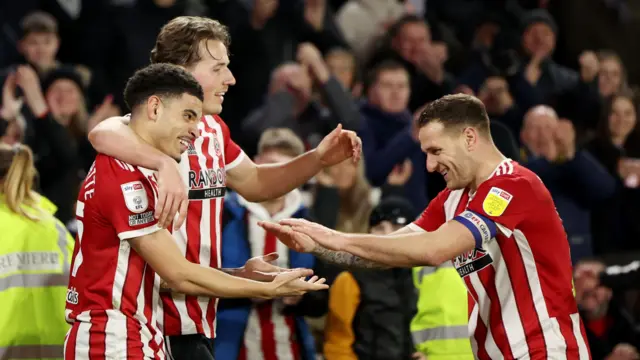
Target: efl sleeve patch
{"x": 483, "y": 229}
{"x": 496, "y": 201}
{"x": 135, "y": 196}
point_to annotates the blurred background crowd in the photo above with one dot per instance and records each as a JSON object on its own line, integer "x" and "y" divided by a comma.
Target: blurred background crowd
{"x": 557, "y": 79}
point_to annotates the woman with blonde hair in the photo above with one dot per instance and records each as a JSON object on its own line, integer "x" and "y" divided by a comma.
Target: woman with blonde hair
{"x": 35, "y": 254}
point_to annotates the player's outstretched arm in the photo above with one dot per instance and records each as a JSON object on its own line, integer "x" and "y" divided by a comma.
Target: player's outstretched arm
{"x": 303, "y": 243}
{"x": 258, "y": 183}
{"x": 114, "y": 138}
{"x": 160, "y": 251}
{"x": 395, "y": 250}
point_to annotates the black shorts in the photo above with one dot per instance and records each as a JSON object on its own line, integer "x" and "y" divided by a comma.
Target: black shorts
{"x": 189, "y": 347}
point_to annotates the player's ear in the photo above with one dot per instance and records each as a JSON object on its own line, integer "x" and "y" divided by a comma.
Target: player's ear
{"x": 154, "y": 107}
{"x": 470, "y": 136}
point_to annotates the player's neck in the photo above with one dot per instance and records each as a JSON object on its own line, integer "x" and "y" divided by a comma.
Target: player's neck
{"x": 488, "y": 161}
{"x": 141, "y": 132}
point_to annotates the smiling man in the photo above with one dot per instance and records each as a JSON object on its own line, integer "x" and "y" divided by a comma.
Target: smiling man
{"x": 211, "y": 163}
{"x": 496, "y": 221}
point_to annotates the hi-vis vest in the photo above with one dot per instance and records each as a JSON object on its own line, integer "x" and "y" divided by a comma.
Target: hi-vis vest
{"x": 35, "y": 259}
{"x": 439, "y": 328}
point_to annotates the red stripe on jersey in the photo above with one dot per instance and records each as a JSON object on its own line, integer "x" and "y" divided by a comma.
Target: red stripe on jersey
{"x": 566, "y": 328}
{"x": 487, "y": 278}
{"x": 149, "y": 283}
{"x": 243, "y": 352}
{"x": 130, "y": 290}
{"x": 481, "y": 338}
{"x": 522, "y": 293}
{"x": 97, "y": 336}
{"x": 194, "y": 218}
{"x": 134, "y": 339}
{"x": 267, "y": 331}
{"x": 214, "y": 222}
{"x": 295, "y": 349}
{"x": 265, "y": 310}
{"x": 70, "y": 348}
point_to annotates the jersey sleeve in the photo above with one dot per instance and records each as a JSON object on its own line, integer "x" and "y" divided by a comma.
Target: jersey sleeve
{"x": 233, "y": 154}
{"x": 126, "y": 200}
{"x": 433, "y": 216}
{"x": 500, "y": 202}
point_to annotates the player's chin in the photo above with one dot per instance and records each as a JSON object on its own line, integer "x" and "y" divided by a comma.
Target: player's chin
{"x": 213, "y": 108}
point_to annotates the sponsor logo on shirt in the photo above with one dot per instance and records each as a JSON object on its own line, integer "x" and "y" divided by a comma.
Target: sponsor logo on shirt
{"x": 207, "y": 184}
{"x": 72, "y": 296}
{"x": 135, "y": 196}
{"x": 472, "y": 261}
{"x": 496, "y": 201}
{"x": 141, "y": 219}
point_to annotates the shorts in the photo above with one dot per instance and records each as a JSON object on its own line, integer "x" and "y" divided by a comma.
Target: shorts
{"x": 189, "y": 347}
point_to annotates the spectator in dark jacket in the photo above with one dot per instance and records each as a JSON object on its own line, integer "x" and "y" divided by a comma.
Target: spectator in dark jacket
{"x": 617, "y": 148}
{"x": 386, "y": 132}
{"x": 575, "y": 179}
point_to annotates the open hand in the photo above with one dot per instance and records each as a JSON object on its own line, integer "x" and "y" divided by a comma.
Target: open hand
{"x": 172, "y": 195}
{"x": 260, "y": 268}
{"x": 292, "y": 283}
{"x": 330, "y": 239}
{"x": 296, "y": 241}
{"x": 338, "y": 146}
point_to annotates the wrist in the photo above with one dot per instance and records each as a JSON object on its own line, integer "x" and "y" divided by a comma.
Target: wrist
{"x": 162, "y": 162}
{"x": 316, "y": 159}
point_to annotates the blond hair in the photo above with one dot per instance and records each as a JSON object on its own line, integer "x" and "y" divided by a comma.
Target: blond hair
{"x": 355, "y": 204}
{"x": 282, "y": 139}
{"x": 17, "y": 174}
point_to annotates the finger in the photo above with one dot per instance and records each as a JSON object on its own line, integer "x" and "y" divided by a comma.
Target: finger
{"x": 313, "y": 279}
{"x": 321, "y": 281}
{"x": 270, "y": 257}
{"x": 160, "y": 204}
{"x": 297, "y": 274}
{"x": 182, "y": 213}
{"x": 291, "y": 222}
{"x": 165, "y": 217}
{"x": 175, "y": 209}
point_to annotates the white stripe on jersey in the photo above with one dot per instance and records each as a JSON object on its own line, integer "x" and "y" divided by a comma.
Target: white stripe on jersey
{"x": 510, "y": 315}
{"x": 82, "y": 336}
{"x": 484, "y": 305}
{"x": 115, "y": 335}
{"x": 205, "y": 231}
{"x": 552, "y": 342}
{"x": 582, "y": 345}
{"x": 120, "y": 275}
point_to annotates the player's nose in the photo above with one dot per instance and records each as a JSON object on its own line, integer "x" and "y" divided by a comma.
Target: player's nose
{"x": 432, "y": 164}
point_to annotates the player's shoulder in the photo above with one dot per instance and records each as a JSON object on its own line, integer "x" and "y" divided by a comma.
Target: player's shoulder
{"x": 111, "y": 169}
{"x": 511, "y": 178}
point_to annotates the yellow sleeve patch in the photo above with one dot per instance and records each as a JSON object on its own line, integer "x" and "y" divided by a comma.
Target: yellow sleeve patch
{"x": 496, "y": 201}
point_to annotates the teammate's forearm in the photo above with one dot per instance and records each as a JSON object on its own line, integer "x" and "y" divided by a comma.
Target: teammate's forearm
{"x": 345, "y": 259}
{"x": 112, "y": 137}
{"x": 392, "y": 250}
{"x": 275, "y": 180}
{"x": 219, "y": 284}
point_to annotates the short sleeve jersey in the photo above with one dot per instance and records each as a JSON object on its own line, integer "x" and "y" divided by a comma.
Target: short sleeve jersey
{"x": 113, "y": 293}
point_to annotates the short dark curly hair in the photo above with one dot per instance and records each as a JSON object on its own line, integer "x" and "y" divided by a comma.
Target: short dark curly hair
{"x": 455, "y": 111}
{"x": 162, "y": 80}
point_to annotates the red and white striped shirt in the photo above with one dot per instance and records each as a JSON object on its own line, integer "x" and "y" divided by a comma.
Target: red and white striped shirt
{"x": 270, "y": 334}
{"x": 520, "y": 279}
{"x": 203, "y": 168}
{"x": 113, "y": 294}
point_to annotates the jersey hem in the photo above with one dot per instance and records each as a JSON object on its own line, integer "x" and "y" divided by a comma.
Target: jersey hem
{"x": 235, "y": 162}
{"x": 125, "y": 235}
{"x": 415, "y": 228}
